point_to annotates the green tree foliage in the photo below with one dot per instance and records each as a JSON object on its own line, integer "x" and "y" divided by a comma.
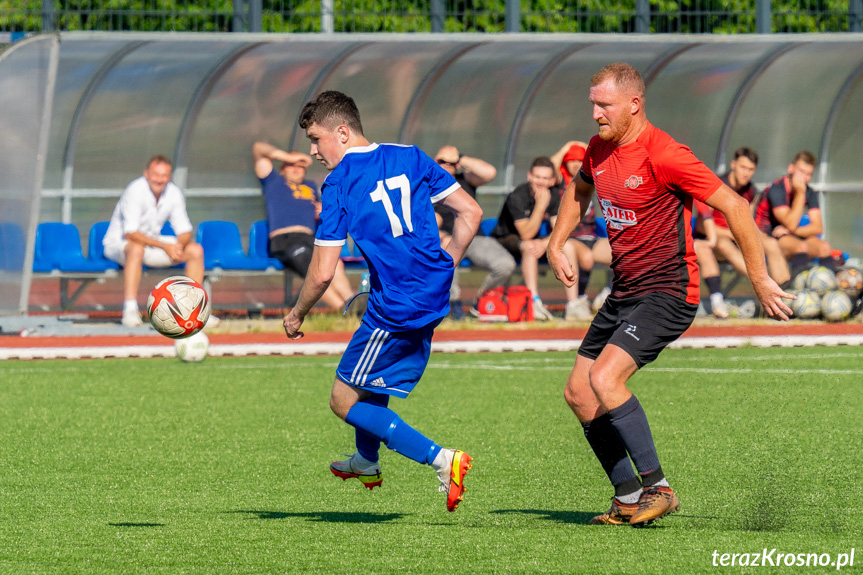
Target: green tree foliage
{"x": 302, "y": 16}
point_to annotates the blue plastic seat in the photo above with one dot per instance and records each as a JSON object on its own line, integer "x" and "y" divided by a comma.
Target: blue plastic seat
{"x": 223, "y": 247}
{"x": 58, "y": 247}
{"x": 12, "y": 246}
{"x": 259, "y": 236}
{"x": 487, "y": 226}
{"x": 95, "y": 249}
{"x": 351, "y": 255}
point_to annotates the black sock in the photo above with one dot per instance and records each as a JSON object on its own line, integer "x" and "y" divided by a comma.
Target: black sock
{"x": 798, "y": 263}
{"x": 611, "y": 453}
{"x": 630, "y": 421}
{"x": 713, "y": 284}
{"x": 583, "y": 280}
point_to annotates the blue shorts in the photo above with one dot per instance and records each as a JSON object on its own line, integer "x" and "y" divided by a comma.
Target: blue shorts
{"x": 388, "y": 362}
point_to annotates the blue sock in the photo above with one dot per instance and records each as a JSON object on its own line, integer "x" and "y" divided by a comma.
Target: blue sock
{"x": 368, "y": 445}
{"x": 385, "y": 425}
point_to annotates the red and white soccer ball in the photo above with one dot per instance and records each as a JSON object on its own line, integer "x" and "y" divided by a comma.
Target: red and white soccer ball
{"x": 178, "y": 307}
{"x": 850, "y": 280}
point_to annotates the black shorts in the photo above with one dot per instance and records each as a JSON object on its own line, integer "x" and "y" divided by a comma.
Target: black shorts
{"x": 641, "y": 326}
{"x": 294, "y": 250}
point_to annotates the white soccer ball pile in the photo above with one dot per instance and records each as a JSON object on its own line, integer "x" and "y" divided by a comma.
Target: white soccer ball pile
{"x": 178, "y": 307}
{"x": 823, "y": 294}
{"x": 193, "y": 349}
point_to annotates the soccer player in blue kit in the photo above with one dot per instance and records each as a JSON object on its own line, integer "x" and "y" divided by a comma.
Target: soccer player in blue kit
{"x": 383, "y": 196}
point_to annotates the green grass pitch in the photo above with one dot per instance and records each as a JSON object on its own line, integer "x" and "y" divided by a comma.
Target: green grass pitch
{"x": 154, "y": 466}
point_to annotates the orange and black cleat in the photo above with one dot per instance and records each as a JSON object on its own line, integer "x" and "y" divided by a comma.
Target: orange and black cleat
{"x": 461, "y": 463}
{"x": 655, "y": 502}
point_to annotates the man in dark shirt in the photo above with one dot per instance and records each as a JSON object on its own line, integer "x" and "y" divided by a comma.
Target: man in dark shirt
{"x": 483, "y": 252}
{"x": 292, "y": 207}
{"x": 783, "y": 205}
{"x": 525, "y": 221}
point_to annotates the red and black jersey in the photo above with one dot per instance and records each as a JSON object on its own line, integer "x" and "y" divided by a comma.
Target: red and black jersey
{"x": 777, "y": 194}
{"x": 645, "y": 192}
{"x": 747, "y": 192}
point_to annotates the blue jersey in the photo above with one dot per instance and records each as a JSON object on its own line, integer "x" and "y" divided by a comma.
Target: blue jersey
{"x": 382, "y": 195}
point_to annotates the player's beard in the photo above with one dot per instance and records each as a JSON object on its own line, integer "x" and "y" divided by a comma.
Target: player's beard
{"x": 615, "y": 131}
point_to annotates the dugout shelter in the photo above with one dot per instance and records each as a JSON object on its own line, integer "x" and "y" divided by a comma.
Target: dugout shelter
{"x": 80, "y": 113}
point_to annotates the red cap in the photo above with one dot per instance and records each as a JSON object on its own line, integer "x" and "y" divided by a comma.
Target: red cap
{"x": 575, "y": 153}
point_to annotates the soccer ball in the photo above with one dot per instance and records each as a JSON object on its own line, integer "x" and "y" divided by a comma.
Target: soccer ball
{"x": 807, "y": 305}
{"x": 194, "y": 348}
{"x": 800, "y": 280}
{"x": 821, "y": 280}
{"x": 850, "y": 280}
{"x": 178, "y": 307}
{"x": 835, "y": 305}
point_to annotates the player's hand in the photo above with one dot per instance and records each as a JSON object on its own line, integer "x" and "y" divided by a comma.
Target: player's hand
{"x": 780, "y": 231}
{"x": 543, "y": 198}
{"x": 535, "y": 248}
{"x": 771, "y": 297}
{"x": 562, "y": 269}
{"x": 292, "y": 323}
{"x": 798, "y": 182}
{"x": 174, "y": 251}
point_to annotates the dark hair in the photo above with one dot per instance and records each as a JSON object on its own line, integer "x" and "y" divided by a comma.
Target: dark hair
{"x": 624, "y": 76}
{"x": 748, "y": 153}
{"x": 542, "y": 162}
{"x": 805, "y": 156}
{"x": 331, "y": 109}
{"x": 160, "y": 159}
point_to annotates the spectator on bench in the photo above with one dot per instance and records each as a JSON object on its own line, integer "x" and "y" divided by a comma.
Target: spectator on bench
{"x": 483, "y": 252}
{"x": 739, "y": 179}
{"x": 781, "y": 208}
{"x": 292, "y": 208}
{"x": 519, "y": 228}
{"x": 134, "y": 239}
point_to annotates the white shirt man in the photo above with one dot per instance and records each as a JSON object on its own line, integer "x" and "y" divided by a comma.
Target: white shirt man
{"x": 134, "y": 235}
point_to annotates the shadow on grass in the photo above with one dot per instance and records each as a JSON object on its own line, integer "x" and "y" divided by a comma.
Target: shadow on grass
{"x": 577, "y": 517}
{"x": 127, "y": 524}
{"x": 326, "y": 516}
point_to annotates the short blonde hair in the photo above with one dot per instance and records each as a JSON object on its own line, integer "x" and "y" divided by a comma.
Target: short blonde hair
{"x": 624, "y": 75}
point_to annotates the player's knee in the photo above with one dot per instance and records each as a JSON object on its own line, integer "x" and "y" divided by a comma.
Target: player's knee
{"x": 194, "y": 251}
{"x": 134, "y": 252}
{"x": 338, "y": 408}
{"x": 601, "y": 381}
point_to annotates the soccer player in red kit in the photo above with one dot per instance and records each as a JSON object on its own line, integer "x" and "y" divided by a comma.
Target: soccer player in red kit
{"x": 645, "y": 182}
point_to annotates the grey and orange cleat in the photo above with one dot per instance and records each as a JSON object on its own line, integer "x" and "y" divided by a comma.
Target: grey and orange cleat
{"x": 368, "y": 472}
{"x": 452, "y": 477}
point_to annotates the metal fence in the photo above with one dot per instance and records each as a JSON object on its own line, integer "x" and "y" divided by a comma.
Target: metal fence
{"x": 19, "y": 17}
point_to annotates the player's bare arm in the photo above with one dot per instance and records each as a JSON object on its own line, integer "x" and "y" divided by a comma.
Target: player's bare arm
{"x": 468, "y": 215}
{"x": 263, "y": 155}
{"x": 746, "y": 234}
{"x": 321, "y": 271}
{"x": 573, "y": 206}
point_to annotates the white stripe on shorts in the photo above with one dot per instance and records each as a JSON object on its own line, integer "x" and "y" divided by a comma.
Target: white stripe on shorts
{"x": 370, "y": 353}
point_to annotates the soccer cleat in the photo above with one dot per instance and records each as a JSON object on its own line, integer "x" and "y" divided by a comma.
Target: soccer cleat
{"x": 369, "y": 473}
{"x": 578, "y": 309}
{"x": 655, "y": 502}
{"x": 452, "y": 478}
{"x": 619, "y": 514}
{"x": 540, "y": 312}
{"x": 131, "y": 318}
{"x": 600, "y": 298}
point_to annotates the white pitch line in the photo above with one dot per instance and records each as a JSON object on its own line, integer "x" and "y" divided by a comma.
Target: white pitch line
{"x": 294, "y": 349}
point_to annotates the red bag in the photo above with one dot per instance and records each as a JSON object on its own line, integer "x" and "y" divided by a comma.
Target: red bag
{"x": 492, "y": 305}
{"x": 519, "y": 304}
{"x": 515, "y": 304}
